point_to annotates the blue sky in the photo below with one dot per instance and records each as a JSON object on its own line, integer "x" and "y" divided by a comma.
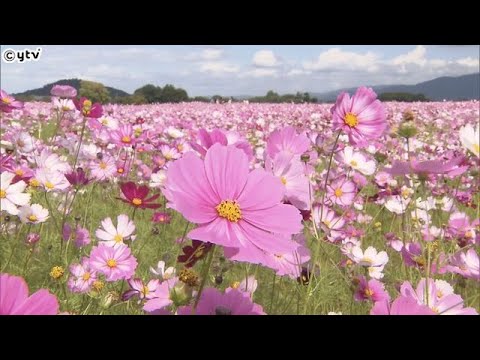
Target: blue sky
{"x": 240, "y": 69}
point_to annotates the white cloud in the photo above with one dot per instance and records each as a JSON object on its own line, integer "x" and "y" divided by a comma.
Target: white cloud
{"x": 260, "y": 72}
{"x": 337, "y": 59}
{"x": 265, "y": 58}
{"x": 211, "y": 54}
{"x": 469, "y": 62}
{"x": 296, "y": 72}
{"x": 416, "y": 56}
{"x": 218, "y": 67}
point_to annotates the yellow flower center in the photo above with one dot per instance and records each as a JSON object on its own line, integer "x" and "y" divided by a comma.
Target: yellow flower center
{"x": 126, "y": 139}
{"x": 168, "y": 156}
{"x": 235, "y": 285}
{"x": 57, "y": 272}
{"x": 86, "y": 276}
{"x": 137, "y": 201}
{"x": 34, "y": 182}
{"x": 111, "y": 263}
{"x": 338, "y": 192}
{"x": 353, "y": 163}
{"x": 6, "y": 101}
{"x": 19, "y": 172}
{"x": 180, "y": 147}
{"x": 439, "y": 294}
{"x": 3, "y": 194}
{"x": 104, "y": 122}
{"x": 65, "y": 108}
{"x": 87, "y": 106}
{"x": 327, "y": 222}
{"x": 98, "y": 285}
{"x": 103, "y": 165}
{"x": 49, "y": 185}
{"x": 367, "y": 261}
{"x": 229, "y": 210}
{"x": 476, "y": 147}
{"x": 118, "y": 238}
{"x": 369, "y": 292}
{"x": 351, "y": 120}
{"x": 32, "y": 218}
{"x": 145, "y": 290}
{"x": 120, "y": 170}
{"x": 284, "y": 180}
{"x": 469, "y": 234}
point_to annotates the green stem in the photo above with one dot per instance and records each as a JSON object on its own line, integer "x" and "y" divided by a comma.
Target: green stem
{"x": 206, "y": 268}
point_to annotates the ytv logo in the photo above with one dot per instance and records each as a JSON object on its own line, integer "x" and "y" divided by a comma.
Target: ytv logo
{"x": 10, "y": 55}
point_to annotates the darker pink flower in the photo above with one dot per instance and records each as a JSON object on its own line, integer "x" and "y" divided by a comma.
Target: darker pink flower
{"x": 232, "y": 302}
{"x": 88, "y": 109}
{"x": 372, "y": 290}
{"x": 137, "y": 196}
{"x": 14, "y": 299}
{"x": 8, "y": 102}
{"x": 362, "y": 117}
{"x": 451, "y": 167}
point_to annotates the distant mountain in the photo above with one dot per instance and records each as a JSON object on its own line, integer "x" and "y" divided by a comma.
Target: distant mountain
{"x": 466, "y": 87}
{"x": 45, "y": 90}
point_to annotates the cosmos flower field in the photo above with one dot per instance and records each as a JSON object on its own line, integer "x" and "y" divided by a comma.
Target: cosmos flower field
{"x": 357, "y": 207}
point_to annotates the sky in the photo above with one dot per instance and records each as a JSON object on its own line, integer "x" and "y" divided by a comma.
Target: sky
{"x": 231, "y": 70}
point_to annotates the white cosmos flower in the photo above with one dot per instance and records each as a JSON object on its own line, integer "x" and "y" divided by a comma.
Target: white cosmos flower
{"x": 174, "y": 133}
{"x": 160, "y": 271}
{"x": 113, "y": 236}
{"x": 24, "y": 142}
{"x": 470, "y": 138}
{"x": 397, "y": 204}
{"x": 12, "y": 195}
{"x": 357, "y": 161}
{"x": 33, "y": 214}
{"x": 158, "y": 179}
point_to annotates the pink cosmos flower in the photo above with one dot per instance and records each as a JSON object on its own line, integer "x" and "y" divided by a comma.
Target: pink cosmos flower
{"x": 362, "y": 117}
{"x": 82, "y": 237}
{"x": 372, "y": 290}
{"x": 83, "y": 276}
{"x": 341, "y": 191}
{"x": 233, "y": 207}
{"x": 103, "y": 169}
{"x": 12, "y": 195}
{"x": 8, "y": 102}
{"x": 287, "y": 140}
{"x": 114, "y": 236}
{"x": 451, "y": 167}
{"x": 161, "y": 217}
{"x": 218, "y": 136}
{"x": 466, "y": 264}
{"x": 441, "y": 302}
{"x": 460, "y": 227}
{"x": 14, "y": 299}
{"x": 162, "y": 296}
{"x": 63, "y": 91}
{"x": 114, "y": 262}
{"x": 138, "y": 288}
{"x": 329, "y": 221}
{"x": 170, "y": 153}
{"x": 400, "y": 306}
{"x": 232, "y": 302}
{"x": 124, "y": 136}
{"x": 291, "y": 172}
{"x": 88, "y": 109}
{"x": 412, "y": 254}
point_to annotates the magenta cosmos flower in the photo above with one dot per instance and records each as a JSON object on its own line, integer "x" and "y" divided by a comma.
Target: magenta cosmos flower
{"x": 341, "y": 191}
{"x": 88, "y": 109}
{"x": 124, "y": 136}
{"x": 234, "y": 207}
{"x": 14, "y": 299}
{"x": 362, "y": 116}
{"x": 114, "y": 262}
{"x": 232, "y": 302}
{"x": 8, "y": 102}
{"x": 372, "y": 290}
{"x": 137, "y": 196}
{"x": 64, "y": 91}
